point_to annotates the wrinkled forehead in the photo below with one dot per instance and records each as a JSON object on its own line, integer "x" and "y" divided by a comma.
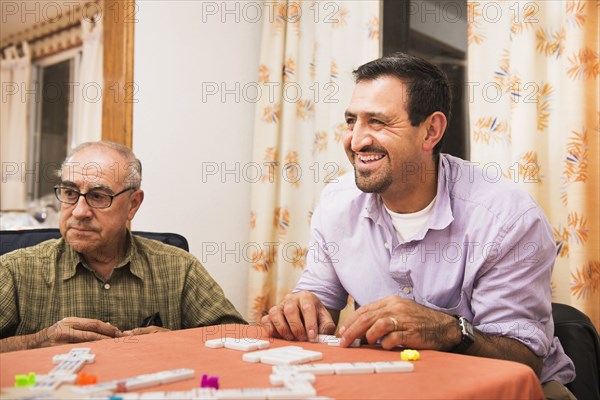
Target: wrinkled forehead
{"x": 383, "y": 95}
{"x": 95, "y": 166}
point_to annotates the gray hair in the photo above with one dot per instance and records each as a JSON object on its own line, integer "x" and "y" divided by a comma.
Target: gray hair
{"x": 134, "y": 165}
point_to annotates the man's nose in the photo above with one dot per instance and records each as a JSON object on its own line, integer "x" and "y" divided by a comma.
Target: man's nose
{"x": 361, "y": 136}
{"x": 81, "y": 208}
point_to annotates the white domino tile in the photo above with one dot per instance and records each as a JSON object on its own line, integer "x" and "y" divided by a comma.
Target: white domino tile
{"x": 354, "y": 368}
{"x": 332, "y": 340}
{"x": 241, "y": 344}
{"x": 140, "y": 381}
{"x": 287, "y": 355}
{"x": 393, "y": 366}
{"x": 215, "y": 343}
{"x": 315, "y": 369}
{"x": 282, "y": 379}
{"x": 78, "y": 353}
{"x": 245, "y": 394}
{"x": 51, "y": 382}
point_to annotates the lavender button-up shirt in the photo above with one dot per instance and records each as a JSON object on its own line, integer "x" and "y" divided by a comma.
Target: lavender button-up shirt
{"x": 486, "y": 253}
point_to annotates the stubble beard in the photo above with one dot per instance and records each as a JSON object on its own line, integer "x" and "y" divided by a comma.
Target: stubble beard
{"x": 373, "y": 181}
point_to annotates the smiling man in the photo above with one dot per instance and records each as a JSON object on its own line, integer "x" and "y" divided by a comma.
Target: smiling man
{"x": 435, "y": 254}
{"x": 99, "y": 281}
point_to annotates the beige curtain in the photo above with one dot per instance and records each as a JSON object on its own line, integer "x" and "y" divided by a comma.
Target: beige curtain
{"x": 17, "y": 92}
{"x": 87, "y": 115}
{"x": 533, "y": 76}
{"x": 308, "y": 52}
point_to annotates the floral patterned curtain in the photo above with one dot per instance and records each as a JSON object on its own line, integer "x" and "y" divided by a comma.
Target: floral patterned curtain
{"x": 309, "y": 50}
{"x": 533, "y": 77}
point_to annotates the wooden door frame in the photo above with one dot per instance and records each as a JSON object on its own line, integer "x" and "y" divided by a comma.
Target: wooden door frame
{"x": 119, "y": 87}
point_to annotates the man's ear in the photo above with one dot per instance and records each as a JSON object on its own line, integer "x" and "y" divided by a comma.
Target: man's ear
{"x": 135, "y": 201}
{"x": 435, "y": 126}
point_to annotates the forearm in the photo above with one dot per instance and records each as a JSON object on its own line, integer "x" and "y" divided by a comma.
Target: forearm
{"x": 22, "y": 342}
{"x": 504, "y": 348}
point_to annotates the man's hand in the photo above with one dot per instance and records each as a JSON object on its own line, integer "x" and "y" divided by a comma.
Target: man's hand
{"x": 76, "y": 330}
{"x": 145, "y": 331}
{"x": 397, "y": 321}
{"x": 299, "y": 316}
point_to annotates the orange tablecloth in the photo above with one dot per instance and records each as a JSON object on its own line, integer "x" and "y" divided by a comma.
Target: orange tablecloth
{"x": 436, "y": 374}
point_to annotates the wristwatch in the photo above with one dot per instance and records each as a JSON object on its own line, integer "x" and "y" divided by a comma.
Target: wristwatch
{"x": 467, "y": 335}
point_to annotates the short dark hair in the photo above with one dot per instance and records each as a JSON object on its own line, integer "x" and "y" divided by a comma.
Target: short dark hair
{"x": 428, "y": 86}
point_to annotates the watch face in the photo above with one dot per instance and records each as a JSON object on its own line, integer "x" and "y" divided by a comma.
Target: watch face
{"x": 468, "y": 335}
{"x": 468, "y": 327}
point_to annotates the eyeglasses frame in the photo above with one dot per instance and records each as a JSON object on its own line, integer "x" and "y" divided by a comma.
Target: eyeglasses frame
{"x": 111, "y": 196}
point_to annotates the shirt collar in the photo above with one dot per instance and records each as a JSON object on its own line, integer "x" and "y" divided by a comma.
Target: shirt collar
{"x": 72, "y": 259}
{"x": 442, "y": 211}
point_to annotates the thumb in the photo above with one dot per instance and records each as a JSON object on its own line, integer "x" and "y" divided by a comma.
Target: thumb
{"x": 326, "y": 324}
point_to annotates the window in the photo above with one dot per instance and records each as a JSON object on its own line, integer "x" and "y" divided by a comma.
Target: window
{"x": 52, "y": 115}
{"x": 436, "y": 31}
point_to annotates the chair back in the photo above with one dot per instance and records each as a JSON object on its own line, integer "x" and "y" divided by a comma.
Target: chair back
{"x": 12, "y": 240}
{"x": 580, "y": 341}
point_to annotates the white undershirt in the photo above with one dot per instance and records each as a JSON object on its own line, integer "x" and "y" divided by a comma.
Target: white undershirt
{"x": 407, "y": 225}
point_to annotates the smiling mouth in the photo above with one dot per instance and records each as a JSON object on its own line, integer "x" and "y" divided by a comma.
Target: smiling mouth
{"x": 369, "y": 158}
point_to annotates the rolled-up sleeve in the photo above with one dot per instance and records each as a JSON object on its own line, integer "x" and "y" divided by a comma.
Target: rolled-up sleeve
{"x": 512, "y": 297}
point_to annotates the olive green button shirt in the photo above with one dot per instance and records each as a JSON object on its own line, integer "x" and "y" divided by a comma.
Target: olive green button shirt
{"x": 43, "y": 284}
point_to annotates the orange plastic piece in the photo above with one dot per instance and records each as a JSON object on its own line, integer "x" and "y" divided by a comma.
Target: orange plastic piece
{"x": 86, "y": 379}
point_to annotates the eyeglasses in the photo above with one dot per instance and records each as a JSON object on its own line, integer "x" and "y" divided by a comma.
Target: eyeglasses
{"x": 94, "y": 198}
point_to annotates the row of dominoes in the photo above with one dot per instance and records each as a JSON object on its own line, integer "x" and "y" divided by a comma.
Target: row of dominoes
{"x": 292, "y": 389}
{"x": 344, "y": 368}
{"x": 278, "y": 393}
{"x": 139, "y": 381}
{"x": 250, "y": 344}
{"x": 66, "y": 370}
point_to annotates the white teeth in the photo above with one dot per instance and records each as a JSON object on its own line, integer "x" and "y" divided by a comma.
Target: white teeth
{"x": 372, "y": 157}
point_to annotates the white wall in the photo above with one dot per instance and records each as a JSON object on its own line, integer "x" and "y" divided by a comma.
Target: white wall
{"x": 180, "y": 48}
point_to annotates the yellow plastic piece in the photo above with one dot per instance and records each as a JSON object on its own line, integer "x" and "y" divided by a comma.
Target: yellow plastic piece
{"x": 409, "y": 355}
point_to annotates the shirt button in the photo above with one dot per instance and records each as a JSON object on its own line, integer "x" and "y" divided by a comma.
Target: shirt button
{"x": 107, "y": 286}
{"x": 386, "y": 245}
{"x": 406, "y": 290}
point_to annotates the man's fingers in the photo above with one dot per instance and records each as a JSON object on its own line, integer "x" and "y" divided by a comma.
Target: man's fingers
{"x": 144, "y": 331}
{"x": 358, "y": 328}
{"x": 90, "y": 325}
{"x": 311, "y": 320}
{"x": 291, "y": 310}
{"x": 299, "y": 316}
{"x": 380, "y": 328}
{"x": 268, "y": 325}
{"x": 392, "y": 340}
{"x": 279, "y": 322}
{"x": 86, "y": 336}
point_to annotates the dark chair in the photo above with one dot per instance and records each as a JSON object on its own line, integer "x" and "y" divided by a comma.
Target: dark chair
{"x": 12, "y": 240}
{"x": 582, "y": 344}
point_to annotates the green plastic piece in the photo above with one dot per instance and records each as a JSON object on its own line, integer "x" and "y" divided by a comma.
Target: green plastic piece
{"x": 25, "y": 380}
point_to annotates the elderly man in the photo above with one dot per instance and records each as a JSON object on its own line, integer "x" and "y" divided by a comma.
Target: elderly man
{"x": 100, "y": 281}
{"x": 436, "y": 255}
